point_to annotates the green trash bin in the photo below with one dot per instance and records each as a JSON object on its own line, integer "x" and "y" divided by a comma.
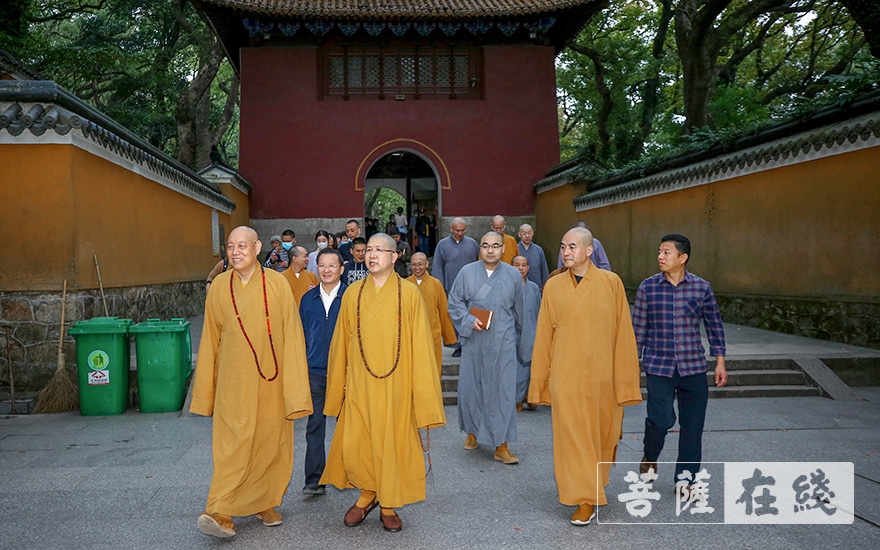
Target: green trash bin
{"x": 103, "y": 362}
{"x": 164, "y": 362}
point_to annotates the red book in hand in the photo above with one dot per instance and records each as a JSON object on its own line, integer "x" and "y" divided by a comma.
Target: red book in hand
{"x": 484, "y": 315}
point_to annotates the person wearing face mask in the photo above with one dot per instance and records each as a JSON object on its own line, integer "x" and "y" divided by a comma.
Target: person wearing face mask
{"x": 322, "y": 241}
{"x": 277, "y": 257}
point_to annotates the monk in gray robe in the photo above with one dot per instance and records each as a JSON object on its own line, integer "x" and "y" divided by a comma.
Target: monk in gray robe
{"x": 487, "y": 377}
{"x": 531, "y": 297}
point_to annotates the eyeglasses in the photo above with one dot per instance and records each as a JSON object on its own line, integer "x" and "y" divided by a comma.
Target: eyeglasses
{"x": 378, "y": 251}
{"x": 494, "y": 246}
{"x": 328, "y": 266}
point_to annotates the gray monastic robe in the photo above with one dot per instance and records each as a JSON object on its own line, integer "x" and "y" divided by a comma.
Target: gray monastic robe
{"x": 487, "y": 377}
{"x": 531, "y": 298}
{"x": 450, "y": 256}
{"x": 538, "y": 270}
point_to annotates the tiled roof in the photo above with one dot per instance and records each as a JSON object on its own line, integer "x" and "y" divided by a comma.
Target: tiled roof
{"x": 830, "y": 131}
{"x": 40, "y": 107}
{"x": 16, "y": 69}
{"x": 382, "y": 9}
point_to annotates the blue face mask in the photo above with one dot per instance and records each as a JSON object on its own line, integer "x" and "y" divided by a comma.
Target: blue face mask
{"x": 286, "y": 246}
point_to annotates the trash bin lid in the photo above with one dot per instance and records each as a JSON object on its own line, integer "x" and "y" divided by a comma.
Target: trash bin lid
{"x": 101, "y": 325}
{"x": 156, "y": 325}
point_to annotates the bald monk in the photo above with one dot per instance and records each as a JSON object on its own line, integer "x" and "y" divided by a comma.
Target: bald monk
{"x": 499, "y": 225}
{"x": 586, "y": 366}
{"x": 435, "y": 300}
{"x": 382, "y": 384}
{"x": 301, "y": 279}
{"x": 252, "y": 384}
{"x": 531, "y": 297}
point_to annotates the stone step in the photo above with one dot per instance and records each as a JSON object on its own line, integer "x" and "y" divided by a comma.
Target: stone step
{"x": 766, "y": 391}
{"x": 746, "y": 378}
{"x": 760, "y": 377}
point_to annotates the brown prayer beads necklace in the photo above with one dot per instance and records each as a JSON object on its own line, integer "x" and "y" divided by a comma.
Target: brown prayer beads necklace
{"x": 268, "y": 327}
{"x": 399, "y": 330}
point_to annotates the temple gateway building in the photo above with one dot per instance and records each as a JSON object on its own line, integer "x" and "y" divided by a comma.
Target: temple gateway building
{"x": 451, "y": 104}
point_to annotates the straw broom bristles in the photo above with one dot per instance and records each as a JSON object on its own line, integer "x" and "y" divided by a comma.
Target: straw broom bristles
{"x": 61, "y": 393}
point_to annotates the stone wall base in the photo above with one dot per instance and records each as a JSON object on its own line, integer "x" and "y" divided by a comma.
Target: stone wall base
{"x": 32, "y": 321}
{"x": 847, "y": 322}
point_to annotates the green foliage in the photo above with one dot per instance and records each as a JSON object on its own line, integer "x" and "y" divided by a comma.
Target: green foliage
{"x": 382, "y": 203}
{"x": 131, "y": 59}
{"x": 780, "y": 64}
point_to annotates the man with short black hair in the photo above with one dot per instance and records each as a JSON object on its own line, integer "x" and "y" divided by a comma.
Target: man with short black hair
{"x": 319, "y": 309}
{"x": 668, "y": 311}
{"x": 352, "y": 231}
{"x": 356, "y": 268}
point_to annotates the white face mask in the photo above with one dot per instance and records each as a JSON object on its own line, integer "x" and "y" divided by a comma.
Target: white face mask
{"x": 322, "y": 245}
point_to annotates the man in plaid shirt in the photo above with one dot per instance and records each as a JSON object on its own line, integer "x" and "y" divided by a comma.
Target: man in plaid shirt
{"x": 669, "y": 308}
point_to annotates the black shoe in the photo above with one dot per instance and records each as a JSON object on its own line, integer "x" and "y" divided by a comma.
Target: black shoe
{"x": 313, "y": 489}
{"x": 457, "y": 352}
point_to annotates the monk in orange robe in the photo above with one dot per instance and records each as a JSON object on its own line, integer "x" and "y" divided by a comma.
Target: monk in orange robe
{"x": 585, "y": 364}
{"x": 499, "y": 225}
{"x": 382, "y": 384}
{"x": 437, "y": 304}
{"x": 301, "y": 279}
{"x": 253, "y": 384}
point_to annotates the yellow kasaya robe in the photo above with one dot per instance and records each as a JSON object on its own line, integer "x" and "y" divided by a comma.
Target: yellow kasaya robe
{"x": 586, "y": 366}
{"x": 376, "y": 443}
{"x": 438, "y": 314}
{"x": 300, "y": 285}
{"x": 252, "y": 441}
{"x": 511, "y": 249}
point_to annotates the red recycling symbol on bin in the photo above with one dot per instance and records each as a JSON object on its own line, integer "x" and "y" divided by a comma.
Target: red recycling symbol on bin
{"x": 99, "y": 374}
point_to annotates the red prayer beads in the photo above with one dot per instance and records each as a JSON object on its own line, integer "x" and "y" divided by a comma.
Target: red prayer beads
{"x": 268, "y": 327}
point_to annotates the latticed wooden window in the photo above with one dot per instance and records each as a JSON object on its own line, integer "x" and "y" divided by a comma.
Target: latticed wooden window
{"x": 441, "y": 71}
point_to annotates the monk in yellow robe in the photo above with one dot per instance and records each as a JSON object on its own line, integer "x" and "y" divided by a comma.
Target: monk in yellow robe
{"x": 585, "y": 364}
{"x": 253, "y": 384}
{"x": 499, "y": 225}
{"x": 301, "y": 279}
{"x": 382, "y": 384}
{"x": 437, "y": 304}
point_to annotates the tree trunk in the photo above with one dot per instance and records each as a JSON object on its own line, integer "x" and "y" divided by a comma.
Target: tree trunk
{"x": 697, "y": 64}
{"x": 867, "y": 15}
{"x": 193, "y": 113}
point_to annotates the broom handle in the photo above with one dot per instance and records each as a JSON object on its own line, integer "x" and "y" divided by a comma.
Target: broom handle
{"x": 61, "y": 330}
{"x": 101, "y": 285}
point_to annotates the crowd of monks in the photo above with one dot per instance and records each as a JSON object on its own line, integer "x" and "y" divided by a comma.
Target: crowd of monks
{"x": 567, "y": 343}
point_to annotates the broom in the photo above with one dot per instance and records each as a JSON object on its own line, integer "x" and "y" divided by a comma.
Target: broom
{"x": 61, "y": 393}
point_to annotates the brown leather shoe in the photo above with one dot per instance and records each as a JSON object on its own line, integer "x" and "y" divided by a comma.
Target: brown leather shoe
{"x": 470, "y": 442}
{"x": 519, "y": 407}
{"x": 391, "y": 523}
{"x": 644, "y": 466}
{"x": 356, "y": 515}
